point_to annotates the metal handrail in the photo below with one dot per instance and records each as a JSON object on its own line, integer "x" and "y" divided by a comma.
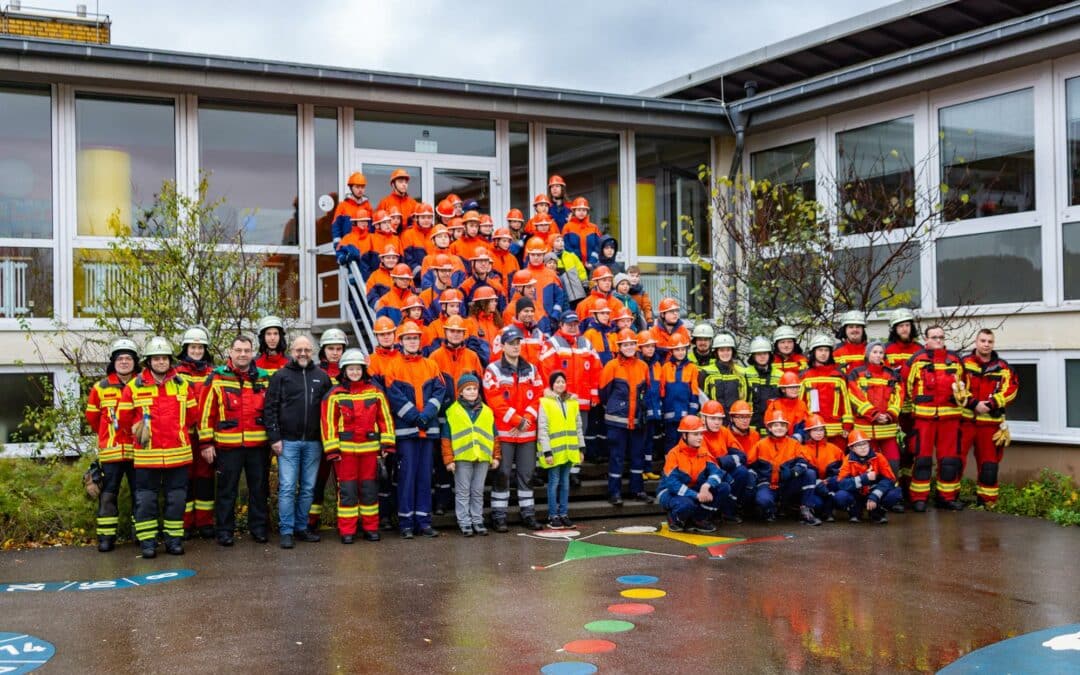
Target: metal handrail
{"x": 365, "y": 326}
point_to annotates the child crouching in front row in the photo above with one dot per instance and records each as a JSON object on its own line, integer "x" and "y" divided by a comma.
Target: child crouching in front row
{"x": 469, "y": 447}
{"x": 866, "y": 481}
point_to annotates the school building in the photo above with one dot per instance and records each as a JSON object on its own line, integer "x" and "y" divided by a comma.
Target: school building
{"x": 87, "y": 127}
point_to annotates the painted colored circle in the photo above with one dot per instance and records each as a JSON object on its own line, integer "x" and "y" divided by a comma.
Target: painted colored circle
{"x": 631, "y": 608}
{"x": 22, "y": 653}
{"x": 557, "y": 534}
{"x": 636, "y": 529}
{"x": 609, "y": 626}
{"x": 589, "y": 646}
{"x": 637, "y": 579}
{"x": 569, "y": 668}
{"x": 1051, "y": 650}
{"x": 643, "y": 593}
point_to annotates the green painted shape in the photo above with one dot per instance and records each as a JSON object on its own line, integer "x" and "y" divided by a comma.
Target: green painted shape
{"x": 579, "y": 550}
{"x": 609, "y": 626}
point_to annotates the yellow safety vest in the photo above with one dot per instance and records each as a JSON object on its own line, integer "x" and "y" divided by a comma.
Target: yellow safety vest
{"x": 471, "y": 441}
{"x": 562, "y": 431}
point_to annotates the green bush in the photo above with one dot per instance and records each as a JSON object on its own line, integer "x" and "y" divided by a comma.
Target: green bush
{"x": 1051, "y": 495}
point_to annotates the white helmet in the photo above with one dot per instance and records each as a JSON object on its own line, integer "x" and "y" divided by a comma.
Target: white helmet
{"x": 196, "y": 335}
{"x": 723, "y": 340}
{"x": 901, "y": 315}
{"x": 158, "y": 346}
{"x": 333, "y": 336}
{"x": 784, "y": 333}
{"x": 853, "y": 318}
{"x": 352, "y": 357}
{"x": 123, "y": 345}
{"x": 821, "y": 340}
{"x": 760, "y": 344}
{"x": 270, "y": 322}
{"x": 703, "y": 330}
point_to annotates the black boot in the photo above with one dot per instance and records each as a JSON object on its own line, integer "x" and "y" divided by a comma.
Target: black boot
{"x": 529, "y": 523}
{"x": 372, "y": 535}
{"x": 174, "y": 546}
{"x": 498, "y": 523}
{"x": 919, "y": 507}
{"x": 148, "y": 548}
{"x": 615, "y": 500}
{"x": 346, "y": 539}
{"x": 206, "y": 532}
{"x": 106, "y": 544}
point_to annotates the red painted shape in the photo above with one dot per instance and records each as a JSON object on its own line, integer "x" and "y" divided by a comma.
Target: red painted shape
{"x": 589, "y": 646}
{"x": 720, "y": 550}
{"x": 631, "y": 608}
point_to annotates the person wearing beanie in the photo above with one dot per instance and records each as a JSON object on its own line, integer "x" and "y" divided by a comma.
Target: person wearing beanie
{"x": 533, "y": 327}
{"x": 621, "y": 291}
{"x": 560, "y": 440}
{"x": 469, "y": 447}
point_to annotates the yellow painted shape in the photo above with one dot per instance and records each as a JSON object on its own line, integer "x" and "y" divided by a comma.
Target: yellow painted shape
{"x": 643, "y": 593}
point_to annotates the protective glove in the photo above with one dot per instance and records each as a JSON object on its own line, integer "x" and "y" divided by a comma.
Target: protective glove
{"x": 1002, "y": 438}
{"x": 333, "y": 456}
{"x": 422, "y": 422}
{"x": 93, "y": 479}
{"x": 961, "y": 394}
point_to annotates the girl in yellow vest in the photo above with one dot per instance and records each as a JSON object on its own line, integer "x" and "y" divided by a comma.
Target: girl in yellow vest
{"x": 469, "y": 447}
{"x": 560, "y": 439}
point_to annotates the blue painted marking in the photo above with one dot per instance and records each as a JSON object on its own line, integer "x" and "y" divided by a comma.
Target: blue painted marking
{"x": 102, "y": 585}
{"x": 22, "y": 653}
{"x": 637, "y": 579}
{"x": 1051, "y": 650}
{"x": 569, "y": 668}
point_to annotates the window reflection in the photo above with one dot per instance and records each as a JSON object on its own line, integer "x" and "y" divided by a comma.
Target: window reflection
{"x": 467, "y": 184}
{"x": 589, "y": 163}
{"x": 989, "y": 268}
{"x": 424, "y": 133}
{"x": 791, "y": 164}
{"x": 876, "y": 176}
{"x": 25, "y": 163}
{"x": 669, "y": 191}
{"x": 519, "y": 167}
{"x": 326, "y": 170}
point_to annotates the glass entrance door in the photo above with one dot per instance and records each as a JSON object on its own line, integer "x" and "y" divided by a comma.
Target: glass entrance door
{"x": 432, "y": 177}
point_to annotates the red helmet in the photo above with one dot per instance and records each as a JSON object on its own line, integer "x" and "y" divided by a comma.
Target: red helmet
{"x": 536, "y": 245}
{"x": 556, "y": 180}
{"x": 356, "y": 178}
{"x": 522, "y": 278}
{"x": 740, "y": 408}
{"x": 815, "y": 421}
{"x": 384, "y": 324}
{"x": 712, "y": 409}
{"x": 690, "y": 424}
{"x": 602, "y": 272}
{"x": 470, "y": 217}
{"x": 857, "y": 437}
{"x": 501, "y": 233}
{"x": 668, "y": 305}
{"x": 541, "y": 199}
{"x": 408, "y": 328}
{"x": 451, "y": 295}
{"x": 515, "y": 214}
{"x": 777, "y": 416}
{"x": 399, "y": 173}
{"x": 424, "y": 209}
{"x": 789, "y": 379}
{"x": 445, "y": 209}
{"x": 388, "y": 250}
{"x": 626, "y": 336}
{"x": 579, "y": 203}
{"x": 401, "y": 271}
{"x": 645, "y": 338}
{"x": 484, "y": 293}
{"x": 443, "y": 262}
{"x": 412, "y": 301}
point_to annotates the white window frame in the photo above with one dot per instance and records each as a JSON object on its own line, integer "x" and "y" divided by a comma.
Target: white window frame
{"x": 1071, "y": 435}
{"x": 62, "y": 379}
{"x": 1064, "y": 69}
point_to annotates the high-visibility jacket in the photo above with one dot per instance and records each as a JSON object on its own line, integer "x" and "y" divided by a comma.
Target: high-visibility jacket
{"x": 599, "y": 338}
{"x": 826, "y": 383}
{"x": 993, "y": 381}
{"x": 848, "y": 355}
{"x": 533, "y": 345}
{"x": 513, "y": 392}
{"x": 232, "y": 415}
{"x": 483, "y": 325}
{"x": 415, "y": 389}
{"x": 682, "y": 396}
{"x": 702, "y": 361}
{"x": 823, "y": 456}
{"x": 558, "y": 430}
{"x": 666, "y": 336}
{"x": 896, "y": 356}
{"x": 347, "y": 209}
{"x": 198, "y": 376}
{"x": 874, "y": 390}
{"x": 472, "y": 439}
{"x": 356, "y": 419}
{"x": 795, "y": 412}
{"x": 406, "y": 205}
{"x": 623, "y": 385}
{"x": 454, "y": 362}
{"x": 930, "y": 377}
{"x": 582, "y": 238}
{"x": 380, "y": 364}
{"x": 686, "y": 469}
{"x": 724, "y": 382}
{"x": 169, "y": 409}
{"x": 333, "y": 369}
{"x": 102, "y": 414}
{"x": 770, "y": 454}
{"x": 761, "y": 388}
{"x": 271, "y": 363}
{"x": 574, "y": 356}
{"x": 853, "y": 471}
{"x": 794, "y": 362}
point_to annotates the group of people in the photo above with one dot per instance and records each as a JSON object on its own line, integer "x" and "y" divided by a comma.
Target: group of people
{"x": 529, "y": 378}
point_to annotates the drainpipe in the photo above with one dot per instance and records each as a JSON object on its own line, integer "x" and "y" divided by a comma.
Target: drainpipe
{"x": 740, "y": 122}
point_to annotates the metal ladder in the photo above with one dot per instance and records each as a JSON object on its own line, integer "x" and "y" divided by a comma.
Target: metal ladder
{"x": 360, "y": 314}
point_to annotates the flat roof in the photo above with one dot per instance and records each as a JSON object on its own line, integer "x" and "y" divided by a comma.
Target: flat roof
{"x": 892, "y": 29}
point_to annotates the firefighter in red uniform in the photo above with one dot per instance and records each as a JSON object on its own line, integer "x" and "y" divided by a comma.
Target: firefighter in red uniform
{"x": 273, "y": 348}
{"x": 231, "y": 432}
{"x": 356, "y": 429}
{"x": 623, "y": 385}
{"x": 993, "y": 386}
{"x": 348, "y": 210}
{"x": 903, "y": 343}
{"x": 825, "y": 390}
{"x": 936, "y": 384}
{"x": 159, "y": 407}
{"x": 195, "y": 363}
{"x": 570, "y": 353}
{"x": 380, "y": 363}
{"x": 669, "y": 328}
{"x": 876, "y": 393}
{"x": 331, "y": 346}
{"x": 416, "y": 391}
{"x": 399, "y": 194}
{"x": 787, "y": 355}
{"x": 115, "y": 452}
{"x": 851, "y": 352}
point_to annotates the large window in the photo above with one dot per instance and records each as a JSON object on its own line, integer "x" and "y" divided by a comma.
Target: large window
{"x": 1072, "y": 130}
{"x": 326, "y": 169}
{"x": 1070, "y": 260}
{"x": 671, "y": 197}
{"x": 1025, "y": 407}
{"x": 686, "y": 282}
{"x": 19, "y": 391}
{"x": 423, "y": 133}
{"x": 988, "y": 156}
{"x": 25, "y": 163}
{"x": 1072, "y": 392}
{"x": 886, "y": 274}
{"x": 790, "y": 164}
{"x": 519, "y": 168}
{"x": 876, "y": 176}
{"x": 994, "y": 267}
{"x": 468, "y": 184}
{"x": 250, "y": 153}
{"x": 589, "y": 163}
{"x": 126, "y": 148}
{"x": 26, "y": 282}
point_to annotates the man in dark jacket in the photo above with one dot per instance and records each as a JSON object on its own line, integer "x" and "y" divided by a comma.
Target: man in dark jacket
{"x": 292, "y": 415}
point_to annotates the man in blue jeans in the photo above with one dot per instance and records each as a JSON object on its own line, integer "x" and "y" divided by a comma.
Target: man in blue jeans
{"x": 292, "y": 416}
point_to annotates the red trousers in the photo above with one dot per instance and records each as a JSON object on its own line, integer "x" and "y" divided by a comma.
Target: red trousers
{"x": 987, "y": 457}
{"x": 199, "y": 505}
{"x": 940, "y": 438}
{"x": 358, "y": 492}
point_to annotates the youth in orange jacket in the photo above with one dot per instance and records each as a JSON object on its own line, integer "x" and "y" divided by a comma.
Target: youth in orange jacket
{"x": 866, "y": 481}
{"x": 791, "y": 405}
{"x": 399, "y": 195}
{"x": 623, "y": 385}
{"x": 790, "y": 479}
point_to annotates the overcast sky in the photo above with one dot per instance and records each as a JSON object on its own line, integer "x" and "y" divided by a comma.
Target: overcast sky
{"x": 604, "y": 45}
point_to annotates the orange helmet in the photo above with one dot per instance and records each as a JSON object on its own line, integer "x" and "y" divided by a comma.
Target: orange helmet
{"x": 451, "y": 295}
{"x": 857, "y": 437}
{"x": 388, "y": 250}
{"x": 623, "y": 313}
{"x": 668, "y": 305}
{"x": 399, "y": 173}
{"x": 679, "y": 341}
{"x": 356, "y": 178}
{"x": 485, "y": 219}
{"x": 740, "y": 408}
{"x": 645, "y": 338}
{"x": 363, "y": 214}
{"x": 484, "y": 293}
{"x": 445, "y": 209}
{"x": 442, "y": 262}
{"x": 541, "y": 199}
{"x": 456, "y": 224}
{"x": 777, "y": 416}
{"x": 602, "y": 272}
{"x": 536, "y": 245}
{"x": 600, "y": 306}
{"x": 395, "y": 211}
{"x": 401, "y": 271}
{"x": 579, "y": 203}
{"x": 515, "y": 214}
{"x": 690, "y": 424}
{"x": 522, "y": 278}
{"x": 626, "y": 336}
{"x": 453, "y": 199}
{"x": 501, "y": 233}
{"x": 384, "y": 324}
{"x": 543, "y": 220}
{"x": 381, "y": 216}
{"x": 424, "y": 209}
{"x": 789, "y": 379}
{"x": 470, "y": 217}
{"x": 412, "y": 301}
{"x": 408, "y": 328}
{"x": 480, "y": 253}
{"x": 439, "y": 229}
{"x": 454, "y": 323}
{"x": 712, "y": 409}
{"x": 814, "y": 422}
{"x": 556, "y": 180}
